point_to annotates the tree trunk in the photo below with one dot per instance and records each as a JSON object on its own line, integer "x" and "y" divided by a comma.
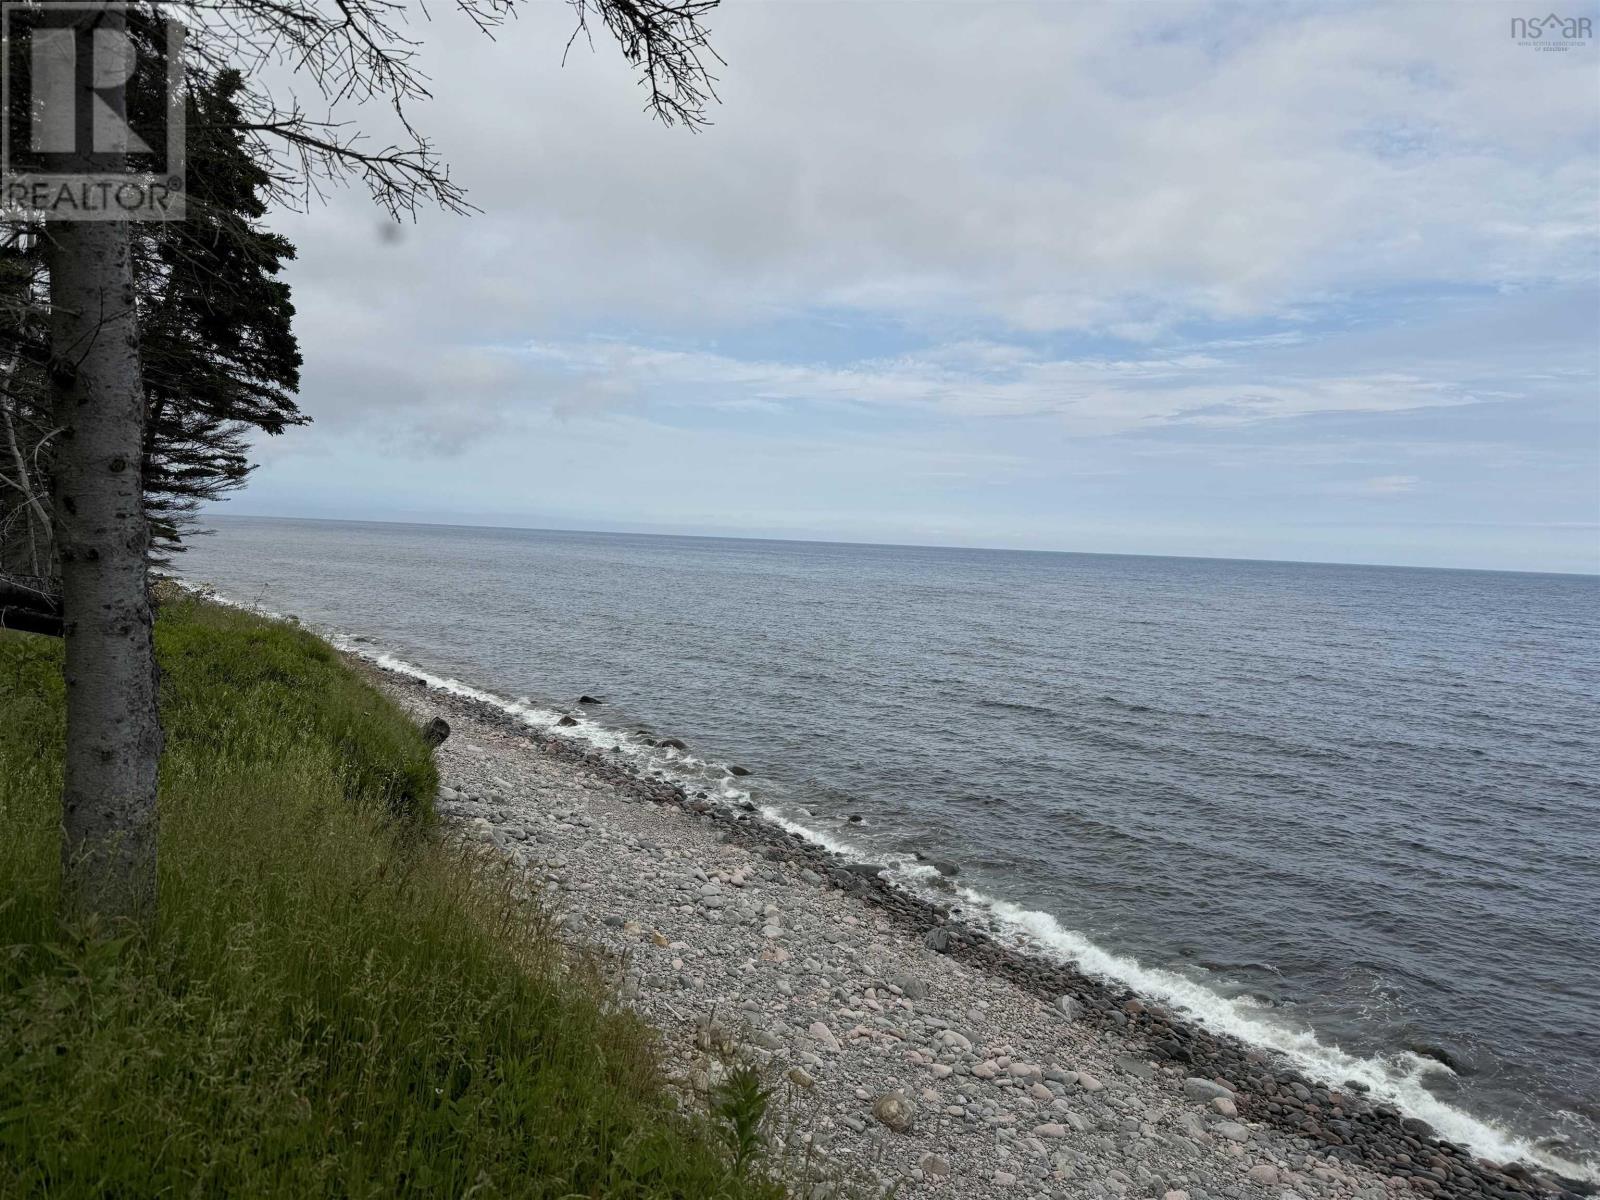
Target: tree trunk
{"x": 102, "y": 539}
{"x": 108, "y": 845}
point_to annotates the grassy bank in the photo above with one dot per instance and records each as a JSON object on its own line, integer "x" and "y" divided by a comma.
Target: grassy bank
{"x": 328, "y": 1003}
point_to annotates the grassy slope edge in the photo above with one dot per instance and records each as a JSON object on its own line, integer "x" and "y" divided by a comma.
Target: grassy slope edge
{"x": 329, "y": 1005}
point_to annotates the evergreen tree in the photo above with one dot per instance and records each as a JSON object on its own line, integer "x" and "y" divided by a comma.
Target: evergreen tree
{"x": 220, "y": 359}
{"x": 353, "y": 52}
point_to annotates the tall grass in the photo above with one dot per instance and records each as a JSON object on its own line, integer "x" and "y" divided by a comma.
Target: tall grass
{"x": 329, "y": 1004}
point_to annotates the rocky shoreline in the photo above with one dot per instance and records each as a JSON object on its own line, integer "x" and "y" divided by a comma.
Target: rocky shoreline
{"x": 934, "y": 1057}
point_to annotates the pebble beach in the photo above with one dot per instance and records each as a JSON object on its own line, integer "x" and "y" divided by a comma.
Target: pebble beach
{"x": 907, "y": 1050}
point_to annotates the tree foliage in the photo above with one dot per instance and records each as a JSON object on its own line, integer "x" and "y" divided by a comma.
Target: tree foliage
{"x": 220, "y": 358}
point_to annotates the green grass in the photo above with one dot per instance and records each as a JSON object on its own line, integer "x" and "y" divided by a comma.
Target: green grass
{"x": 329, "y": 1004}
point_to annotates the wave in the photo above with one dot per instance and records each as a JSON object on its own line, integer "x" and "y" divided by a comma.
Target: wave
{"x": 1126, "y": 705}
{"x": 1018, "y": 706}
{"x": 1399, "y": 1078}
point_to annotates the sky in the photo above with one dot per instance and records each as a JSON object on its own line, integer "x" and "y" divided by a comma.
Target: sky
{"x": 1299, "y": 281}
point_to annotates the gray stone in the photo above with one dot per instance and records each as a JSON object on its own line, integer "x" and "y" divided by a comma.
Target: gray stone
{"x": 1136, "y": 1067}
{"x": 822, "y": 1035}
{"x": 909, "y": 985}
{"x": 937, "y": 940}
{"x": 1203, "y": 1090}
{"x": 896, "y": 1110}
{"x": 956, "y": 1041}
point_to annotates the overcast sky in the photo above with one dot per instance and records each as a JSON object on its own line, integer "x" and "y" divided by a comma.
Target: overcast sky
{"x": 1288, "y": 281}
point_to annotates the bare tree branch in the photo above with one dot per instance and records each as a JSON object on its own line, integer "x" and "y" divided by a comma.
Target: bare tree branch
{"x": 353, "y": 53}
{"x": 667, "y": 40}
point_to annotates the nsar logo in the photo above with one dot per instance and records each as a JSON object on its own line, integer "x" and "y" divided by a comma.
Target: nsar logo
{"x": 1552, "y": 32}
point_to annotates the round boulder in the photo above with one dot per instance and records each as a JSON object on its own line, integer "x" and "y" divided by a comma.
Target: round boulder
{"x": 896, "y": 1110}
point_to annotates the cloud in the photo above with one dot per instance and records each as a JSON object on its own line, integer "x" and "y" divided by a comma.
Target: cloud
{"x": 1051, "y": 166}
{"x": 1384, "y": 485}
{"x": 1096, "y": 397}
{"x": 1000, "y": 259}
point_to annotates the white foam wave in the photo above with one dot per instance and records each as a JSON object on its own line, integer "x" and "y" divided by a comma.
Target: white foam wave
{"x": 1396, "y": 1079}
{"x": 681, "y": 765}
{"x": 816, "y": 836}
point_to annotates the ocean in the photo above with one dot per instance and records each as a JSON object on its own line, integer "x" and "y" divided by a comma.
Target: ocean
{"x": 1349, "y": 813}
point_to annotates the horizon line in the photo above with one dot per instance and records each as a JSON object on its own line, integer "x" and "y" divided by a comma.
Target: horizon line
{"x": 716, "y": 537}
